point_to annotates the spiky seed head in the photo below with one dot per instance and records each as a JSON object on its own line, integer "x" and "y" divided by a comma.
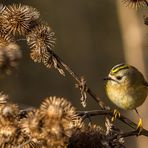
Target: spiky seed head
{"x": 3, "y": 98}
{"x": 135, "y": 3}
{"x": 7, "y": 134}
{"x": 32, "y": 125}
{"x": 17, "y": 18}
{"x": 39, "y": 55}
{"x": 88, "y": 136}
{"x": 9, "y": 57}
{"x": 40, "y": 37}
{"x": 53, "y": 123}
{"x": 8, "y": 113}
{"x": 57, "y": 108}
{"x": 5, "y": 39}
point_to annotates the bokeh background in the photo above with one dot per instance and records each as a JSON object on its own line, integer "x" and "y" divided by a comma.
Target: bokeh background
{"x": 92, "y": 36}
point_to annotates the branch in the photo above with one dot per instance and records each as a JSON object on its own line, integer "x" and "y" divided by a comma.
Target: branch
{"x": 106, "y": 110}
{"x": 78, "y": 80}
{"x": 122, "y": 118}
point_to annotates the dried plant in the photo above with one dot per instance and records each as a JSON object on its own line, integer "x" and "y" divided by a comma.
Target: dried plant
{"x": 10, "y": 55}
{"x": 94, "y": 136}
{"x": 56, "y": 123}
{"x": 53, "y": 123}
{"x": 17, "y": 18}
{"x": 135, "y": 3}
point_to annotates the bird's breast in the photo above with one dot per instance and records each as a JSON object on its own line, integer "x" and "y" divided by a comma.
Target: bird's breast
{"x": 126, "y": 97}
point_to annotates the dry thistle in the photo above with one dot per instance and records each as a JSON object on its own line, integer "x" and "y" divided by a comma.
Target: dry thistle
{"x": 32, "y": 125}
{"x": 17, "y": 18}
{"x": 60, "y": 120}
{"x": 3, "y": 98}
{"x": 5, "y": 38}
{"x": 9, "y": 57}
{"x": 9, "y": 127}
{"x": 8, "y": 114}
{"x": 58, "y": 108}
{"x": 41, "y": 41}
{"x": 7, "y": 134}
{"x": 135, "y": 3}
{"x": 92, "y": 136}
{"x": 41, "y": 37}
{"x": 53, "y": 123}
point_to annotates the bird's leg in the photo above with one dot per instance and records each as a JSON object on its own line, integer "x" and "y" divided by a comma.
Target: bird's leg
{"x": 140, "y": 124}
{"x": 116, "y": 114}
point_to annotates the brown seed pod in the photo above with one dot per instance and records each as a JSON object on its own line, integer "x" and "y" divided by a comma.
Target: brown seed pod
{"x": 17, "y": 18}
{"x": 5, "y": 38}
{"x": 8, "y": 114}
{"x": 40, "y": 37}
{"x": 135, "y": 3}
{"x": 3, "y": 98}
{"x": 53, "y": 123}
{"x": 7, "y": 134}
{"x": 32, "y": 125}
{"x": 10, "y": 55}
{"x": 57, "y": 108}
{"x": 92, "y": 136}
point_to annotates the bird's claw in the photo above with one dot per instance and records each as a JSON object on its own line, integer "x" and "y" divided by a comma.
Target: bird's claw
{"x": 140, "y": 126}
{"x": 116, "y": 114}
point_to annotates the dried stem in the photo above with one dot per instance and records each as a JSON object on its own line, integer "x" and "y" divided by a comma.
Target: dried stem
{"x": 76, "y": 77}
{"x": 122, "y": 118}
{"x": 105, "y": 109}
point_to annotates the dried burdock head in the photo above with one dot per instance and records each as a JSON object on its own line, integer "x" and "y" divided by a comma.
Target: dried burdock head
{"x": 60, "y": 119}
{"x": 57, "y": 108}
{"x": 113, "y": 134}
{"x": 8, "y": 114}
{"x": 3, "y": 98}
{"x": 33, "y": 125}
{"x": 17, "y": 18}
{"x": 41, "y": 41}
{"x": 135, "y": 3}
{"x": 7, "y": 134}
{"x": 41, "y": 37}
{"x": 5, "y": 38}
{"x": 53, "y": 123}
{"x": 9, "y": 57}
{"x": 91, "y": 136}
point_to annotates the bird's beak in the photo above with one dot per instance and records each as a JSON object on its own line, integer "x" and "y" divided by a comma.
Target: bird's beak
{"x": 107, "y": 78}
{"x": 110, "y": 79}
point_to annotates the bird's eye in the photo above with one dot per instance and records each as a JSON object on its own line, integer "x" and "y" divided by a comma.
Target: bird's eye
{"x": 119, "y": 77}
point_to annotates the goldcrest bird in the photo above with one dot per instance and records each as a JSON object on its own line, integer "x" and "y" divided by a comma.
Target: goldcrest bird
{"x": 126, "y": 87}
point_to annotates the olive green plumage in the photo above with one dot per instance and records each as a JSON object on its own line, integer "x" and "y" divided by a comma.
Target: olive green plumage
{"x": 126, "y": 86}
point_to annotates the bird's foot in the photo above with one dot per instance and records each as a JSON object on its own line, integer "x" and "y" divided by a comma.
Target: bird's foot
{"x": 116, "y": 114}
{"x": 140, "y": 126}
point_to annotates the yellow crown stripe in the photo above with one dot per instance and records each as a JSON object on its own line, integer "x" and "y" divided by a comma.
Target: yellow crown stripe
{"x": 119, "y": 68}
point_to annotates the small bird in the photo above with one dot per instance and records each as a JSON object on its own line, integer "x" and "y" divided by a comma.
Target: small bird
{"x": 127, "y": 88}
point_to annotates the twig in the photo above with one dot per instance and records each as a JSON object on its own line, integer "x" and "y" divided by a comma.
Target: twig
{"x": 106, "y": 110}
{"x": 125, "y": 120}
{"x": 75, "y": 76}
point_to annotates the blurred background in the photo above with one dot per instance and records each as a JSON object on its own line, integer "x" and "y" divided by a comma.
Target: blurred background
{"x": 92, "y": 37}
